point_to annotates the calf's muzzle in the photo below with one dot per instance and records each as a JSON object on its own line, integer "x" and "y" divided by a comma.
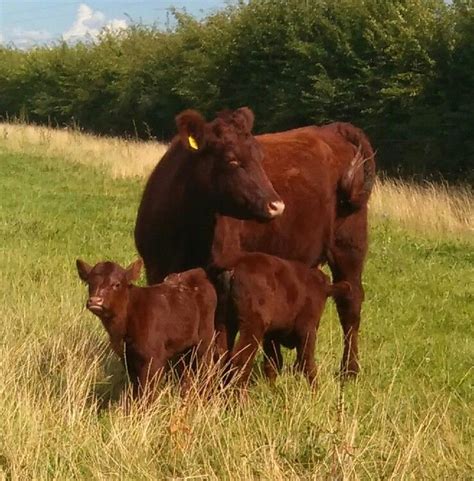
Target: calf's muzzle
{"x": 95, "y": 303}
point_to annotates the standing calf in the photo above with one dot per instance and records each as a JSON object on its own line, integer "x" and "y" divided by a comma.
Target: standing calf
{"x": 150, "y": 326}
{"x": 276, "y": 302}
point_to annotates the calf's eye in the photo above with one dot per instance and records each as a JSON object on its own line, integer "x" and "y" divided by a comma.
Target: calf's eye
{"x": 116, "y": 285}
{"x": 234, "y": 163}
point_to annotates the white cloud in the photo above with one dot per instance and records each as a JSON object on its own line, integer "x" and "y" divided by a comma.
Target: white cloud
{"x": 116, "y": 24}
{"x": 89, "y": 23}
{"x": 24, "y": 39}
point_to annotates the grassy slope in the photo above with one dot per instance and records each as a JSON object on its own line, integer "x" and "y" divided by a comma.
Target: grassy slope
{"x": 407, "y": 417}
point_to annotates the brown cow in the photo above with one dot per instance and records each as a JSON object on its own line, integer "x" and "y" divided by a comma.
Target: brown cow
{"x": 210, "y": 168}
{"x": 152, "y": 326}
{"x": 323, "y": 174}
{"x": 276, "y": 302}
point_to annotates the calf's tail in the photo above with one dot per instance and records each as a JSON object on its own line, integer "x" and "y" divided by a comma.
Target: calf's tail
{"x": 339, "y": 289}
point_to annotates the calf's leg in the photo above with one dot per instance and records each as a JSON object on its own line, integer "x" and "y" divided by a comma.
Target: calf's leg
{"x": 305, "y": 355}
{"x": 149, "y": 376}
{"x": 273, "y": 360}
{"x": 244, "y": 352}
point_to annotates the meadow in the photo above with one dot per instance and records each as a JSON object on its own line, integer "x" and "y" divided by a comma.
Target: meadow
{"x": 409, "y": 416}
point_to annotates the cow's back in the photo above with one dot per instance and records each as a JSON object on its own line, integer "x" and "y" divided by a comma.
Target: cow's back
{"x": 304, "y": 165}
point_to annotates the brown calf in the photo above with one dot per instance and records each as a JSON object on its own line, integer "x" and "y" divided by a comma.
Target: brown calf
{"x": 276, "y": 302}
{"x": 151, "y": 326}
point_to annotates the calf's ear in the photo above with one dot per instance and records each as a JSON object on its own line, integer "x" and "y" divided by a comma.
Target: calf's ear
{"x": 192, "y": 130}
{"x": 133, "y": 270}
{"x": 84, "y": 269}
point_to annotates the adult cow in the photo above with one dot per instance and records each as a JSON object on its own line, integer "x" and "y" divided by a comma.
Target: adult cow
{"x": 323, "y": 174}
{"x": 209, "y": 169}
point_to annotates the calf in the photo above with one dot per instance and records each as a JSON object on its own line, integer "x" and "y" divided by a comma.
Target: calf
{"x": 151, "y": 326}
{"x": 275, "y": 301}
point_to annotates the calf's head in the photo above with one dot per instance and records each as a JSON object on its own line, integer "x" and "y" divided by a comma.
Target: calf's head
{"x": 108, "y": 286}
{"x": 228, "y": 164}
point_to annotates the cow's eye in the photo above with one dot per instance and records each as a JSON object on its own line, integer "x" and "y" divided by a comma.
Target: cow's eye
{"x": 116, "y": 286}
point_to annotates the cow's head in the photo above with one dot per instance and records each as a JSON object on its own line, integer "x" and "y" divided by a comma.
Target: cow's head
{"x": 108, "y": 285}
{"x": 228, "y": 164}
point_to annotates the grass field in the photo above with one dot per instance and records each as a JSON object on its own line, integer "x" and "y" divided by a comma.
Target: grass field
{"x": 443, "y": 210}
{"x": 410, "y": 415}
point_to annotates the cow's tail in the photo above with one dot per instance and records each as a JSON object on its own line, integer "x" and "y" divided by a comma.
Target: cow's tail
{"x": 358, "y": 180}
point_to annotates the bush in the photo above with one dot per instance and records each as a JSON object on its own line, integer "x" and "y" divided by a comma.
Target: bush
{"x": 401, "y": 69}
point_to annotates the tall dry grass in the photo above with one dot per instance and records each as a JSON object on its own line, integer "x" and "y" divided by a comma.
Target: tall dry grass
{"x": 59, "y": 426}
{"x": 61, "y": 415}
{"x": 121, "y": 157}
{"x": 429, "y": 208}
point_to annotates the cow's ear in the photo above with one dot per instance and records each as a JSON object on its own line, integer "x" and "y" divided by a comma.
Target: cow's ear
{"x": 132, "y": 272}
{"x": 244, "y": 118}
{"x": 83, "y": 269}
{"x": 192, "y": 130}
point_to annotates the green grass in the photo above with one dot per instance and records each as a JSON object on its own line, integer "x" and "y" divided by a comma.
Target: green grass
{"x": 408, "y": 417}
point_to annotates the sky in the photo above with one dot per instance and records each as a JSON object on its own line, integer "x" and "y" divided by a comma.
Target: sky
{"x": 26, "y": 23}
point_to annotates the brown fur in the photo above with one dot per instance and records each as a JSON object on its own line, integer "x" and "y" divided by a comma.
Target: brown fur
{"x": 324, "y": 176}
{"x": 325, "y": 218}
{"x": 151, "y": 326}
{"x": 188, "y": 188}
{"x": 276, "y": 302}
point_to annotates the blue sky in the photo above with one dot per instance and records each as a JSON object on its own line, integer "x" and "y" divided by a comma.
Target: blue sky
{"x": 30, "y": 22}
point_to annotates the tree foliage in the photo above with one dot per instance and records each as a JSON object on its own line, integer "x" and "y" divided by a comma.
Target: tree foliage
{"x": 401, "y": 69}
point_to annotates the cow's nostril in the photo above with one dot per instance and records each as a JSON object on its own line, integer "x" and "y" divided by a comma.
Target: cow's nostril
{"x": 95, "y": 301}
{"x": 276, "y": 208}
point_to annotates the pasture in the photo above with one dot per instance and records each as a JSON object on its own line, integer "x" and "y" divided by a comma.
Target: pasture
{"x": 409, "y": 416}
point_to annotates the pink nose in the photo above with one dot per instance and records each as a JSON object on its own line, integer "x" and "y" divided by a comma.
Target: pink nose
{"x": 95, "y": 301}
{"x": 276, "y": 208}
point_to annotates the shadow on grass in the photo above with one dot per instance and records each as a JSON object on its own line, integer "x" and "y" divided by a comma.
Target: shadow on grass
{"x": 107, "y": 391}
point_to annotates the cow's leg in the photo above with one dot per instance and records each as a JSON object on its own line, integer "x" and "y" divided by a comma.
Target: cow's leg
{"x": 347, "y": 262}
{"x": 273, "y": 360}
{"x": 224, "y": 355}
{"x": 226, "y": 324}
{"x": 224, "y": 327}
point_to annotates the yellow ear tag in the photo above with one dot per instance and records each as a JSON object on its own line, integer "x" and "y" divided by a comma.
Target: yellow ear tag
{"x": 192, "y": 143}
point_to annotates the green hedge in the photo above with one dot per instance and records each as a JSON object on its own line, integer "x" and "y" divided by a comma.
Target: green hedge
{"x": 401, "y": 69}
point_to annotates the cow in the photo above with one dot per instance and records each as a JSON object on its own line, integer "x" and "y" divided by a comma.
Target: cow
{"x": 276, "y": 302}
{"x": 151, "y": 327}
{"x": 210, "y": 168}
{"x": 310, "y": 205}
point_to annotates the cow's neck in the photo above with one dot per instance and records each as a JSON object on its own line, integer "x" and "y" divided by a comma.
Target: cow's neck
{"x": 199, "y": 229}
{"x": 194, "y": 219}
